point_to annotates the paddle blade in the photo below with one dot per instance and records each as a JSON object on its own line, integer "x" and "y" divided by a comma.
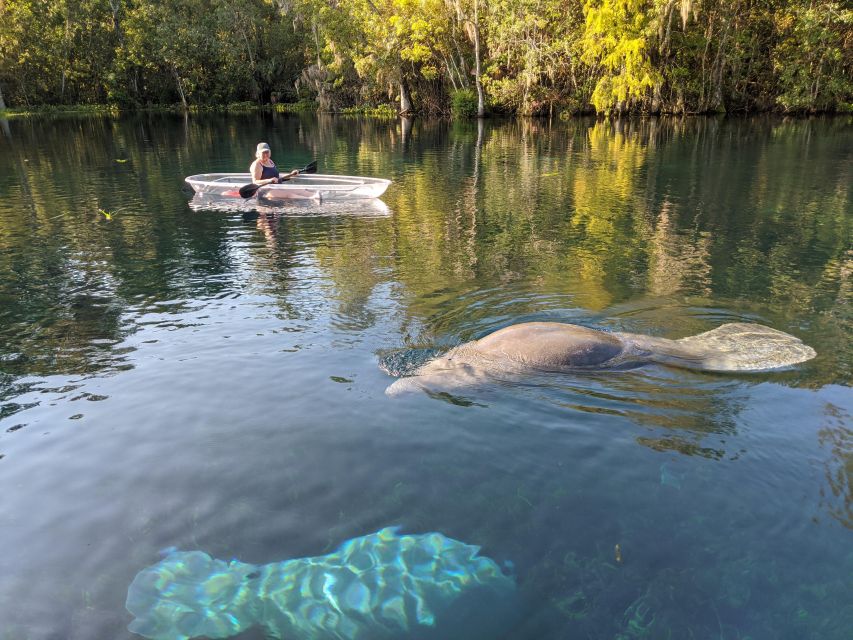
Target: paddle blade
{"x": 248, "y": 190}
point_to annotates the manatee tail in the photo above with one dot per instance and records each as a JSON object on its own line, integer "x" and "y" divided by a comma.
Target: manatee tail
{"x": 737, "y": 346}
{"x": 188, "y": 594}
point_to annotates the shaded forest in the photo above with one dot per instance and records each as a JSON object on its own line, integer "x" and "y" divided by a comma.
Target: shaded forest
{"x": 467, "y": 57}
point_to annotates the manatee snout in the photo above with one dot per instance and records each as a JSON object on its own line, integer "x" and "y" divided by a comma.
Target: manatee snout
{"x": 404, "y": 386}
{"x": 442, "y": 374}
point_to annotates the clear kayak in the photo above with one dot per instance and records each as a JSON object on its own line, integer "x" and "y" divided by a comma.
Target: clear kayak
{"x": 363, "y": 207}
{"x": 316, "y": 186}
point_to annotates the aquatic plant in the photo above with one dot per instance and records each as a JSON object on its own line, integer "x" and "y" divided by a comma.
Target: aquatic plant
{"x": 382, "y": 585}
{"x": 668, "y": 478}
{"x": 574, "y": 605}
{"x": 639, "y": 618}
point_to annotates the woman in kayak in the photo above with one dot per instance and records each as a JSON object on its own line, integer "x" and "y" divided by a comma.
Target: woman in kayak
{"x": 263, "y": 169}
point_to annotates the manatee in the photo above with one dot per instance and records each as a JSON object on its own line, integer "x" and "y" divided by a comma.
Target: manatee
{"x": 553, "y": 346}
{"x": 380, "y": 586}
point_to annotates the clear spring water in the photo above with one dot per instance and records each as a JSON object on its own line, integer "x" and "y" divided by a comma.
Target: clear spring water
{"x": 176, "y": 375}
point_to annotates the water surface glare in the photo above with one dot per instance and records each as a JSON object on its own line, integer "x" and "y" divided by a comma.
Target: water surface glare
{"x": 210, "y": 376}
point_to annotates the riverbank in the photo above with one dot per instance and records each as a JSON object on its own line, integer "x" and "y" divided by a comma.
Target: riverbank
{"x": 384, "y": 111}
{"x": 381, "y": 111}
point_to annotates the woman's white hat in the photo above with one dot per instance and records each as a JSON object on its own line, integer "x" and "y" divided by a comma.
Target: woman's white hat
{"x": 262, "y": 146}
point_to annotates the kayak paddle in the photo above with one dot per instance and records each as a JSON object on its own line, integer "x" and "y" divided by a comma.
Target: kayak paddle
{"x": 248, "y": 190}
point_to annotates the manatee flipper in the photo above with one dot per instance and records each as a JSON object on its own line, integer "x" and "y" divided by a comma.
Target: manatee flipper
{"x": 737, "y": 346}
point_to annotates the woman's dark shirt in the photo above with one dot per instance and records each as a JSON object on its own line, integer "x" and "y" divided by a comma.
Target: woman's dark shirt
{"x": 269, "y": 172}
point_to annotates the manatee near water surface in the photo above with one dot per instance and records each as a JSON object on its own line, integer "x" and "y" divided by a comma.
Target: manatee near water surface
{"x": 375, "y": 587}
{"x": 553, "y": 346}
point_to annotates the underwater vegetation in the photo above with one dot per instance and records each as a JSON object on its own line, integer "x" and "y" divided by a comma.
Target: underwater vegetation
{"x": 381, "y": 585}
{"x": 735, "y": 598}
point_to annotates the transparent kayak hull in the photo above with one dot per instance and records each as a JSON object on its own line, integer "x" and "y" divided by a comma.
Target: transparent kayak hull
{"x": 316, "y": 186}
{"x": 363, "y": 207}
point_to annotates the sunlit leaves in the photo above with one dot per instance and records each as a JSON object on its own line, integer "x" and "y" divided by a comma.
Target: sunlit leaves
{"x": 618, "y": 39}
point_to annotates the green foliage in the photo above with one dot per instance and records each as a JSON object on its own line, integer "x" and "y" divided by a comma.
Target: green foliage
{"x": 242, "y": 107}
{"x": 463, "y": 103}
{"x": 538, "y": 57}
{"x": 63, "y": 109}
{"x": 380, "y": 111}
{"x": 302, "y": 106}
{"x": 534, "y": 55}
{"x": 814, "y": 58}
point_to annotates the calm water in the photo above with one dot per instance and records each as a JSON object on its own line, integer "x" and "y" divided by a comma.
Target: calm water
{"x": 210, "y": 379}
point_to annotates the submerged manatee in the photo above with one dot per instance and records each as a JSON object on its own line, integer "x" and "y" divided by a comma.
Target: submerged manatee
{"x": 553, "y": 346}
{"x": 378, "y": 586}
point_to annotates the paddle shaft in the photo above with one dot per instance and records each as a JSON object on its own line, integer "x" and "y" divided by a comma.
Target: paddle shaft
{"x": 247, "y": 191}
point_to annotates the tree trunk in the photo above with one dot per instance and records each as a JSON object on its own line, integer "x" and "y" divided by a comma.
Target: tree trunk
{"x": 463, "y": 68}
{"x": 324, "y": 102}
{"x": 716, "y": 95}
{"x": 405, "y": 100}
{"x": 180, "y": 88}
{"x": 481, "y": 102}
{"x": 4, "y": 123}
{"x": 115, "y": 6}
{"x": 448, "y": 64}
{"x": 66, "y": 54}
{"x": 656, "y": 101}
{"x": 22, "y": 88}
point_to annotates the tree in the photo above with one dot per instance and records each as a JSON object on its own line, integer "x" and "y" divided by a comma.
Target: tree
{"x": 814, "y": 58}
{"x": 170, "y": 44}
{"x": 617, "y": 41}
{"x": 534, "y": 50}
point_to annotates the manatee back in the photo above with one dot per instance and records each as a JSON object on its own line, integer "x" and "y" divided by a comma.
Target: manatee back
{"x": 384, "y": 586}
{"x": 551, "y": 345}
